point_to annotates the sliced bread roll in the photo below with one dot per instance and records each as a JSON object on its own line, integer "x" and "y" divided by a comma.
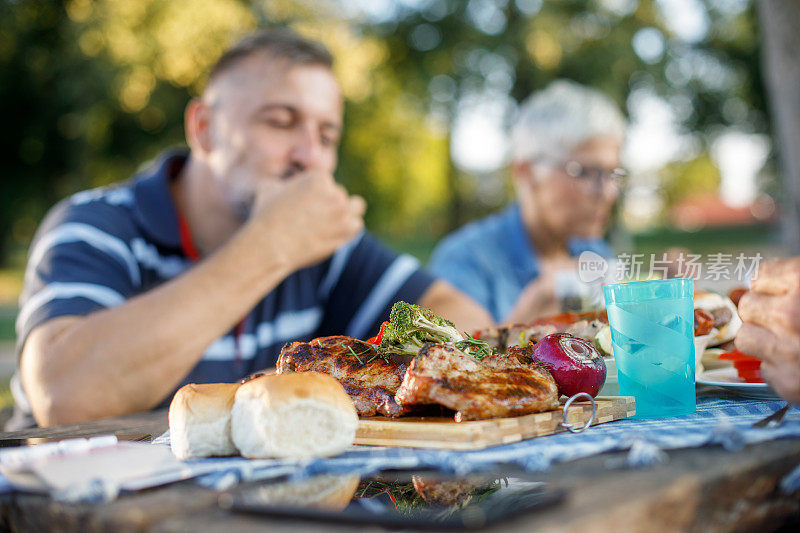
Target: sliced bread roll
{"x": 200, "y": 420}
{"x": 330, "y": 492}
{"x": 296, "y": 415}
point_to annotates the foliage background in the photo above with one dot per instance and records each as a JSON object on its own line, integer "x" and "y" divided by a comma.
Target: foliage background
{"x": 92, "y": 89}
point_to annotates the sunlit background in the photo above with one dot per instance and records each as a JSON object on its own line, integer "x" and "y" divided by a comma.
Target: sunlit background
{"x": 90, "y": 90}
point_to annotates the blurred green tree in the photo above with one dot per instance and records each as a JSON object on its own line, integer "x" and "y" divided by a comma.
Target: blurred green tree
{"x": 92, "y": 89}
{"x": 780, "y": 20}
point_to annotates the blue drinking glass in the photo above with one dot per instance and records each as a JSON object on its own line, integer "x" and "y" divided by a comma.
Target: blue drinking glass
{"x": 652, "y": 334}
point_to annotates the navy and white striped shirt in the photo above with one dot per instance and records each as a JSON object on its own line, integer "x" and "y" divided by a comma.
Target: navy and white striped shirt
{"x": 100, "y": 247}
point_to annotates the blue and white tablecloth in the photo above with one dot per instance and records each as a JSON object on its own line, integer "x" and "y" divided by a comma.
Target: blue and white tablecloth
{"x": 723, "y": 422}
{"x": 717, "y": 422}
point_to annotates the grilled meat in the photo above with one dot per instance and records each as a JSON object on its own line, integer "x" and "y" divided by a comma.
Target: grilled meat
{"x": 523, "y": 355}
{"x": 565, "y": 320}
{"x": 499, "y": 386}
{"x": 703, "y": 322}
{"x": 583, "y": 325}
{"x": 447, "y": 492}
{"x": 504, "y": 337}
{"x": 370, "y": 380}
{"x": 585, "y": 329}
{"x": 495, "y": 337}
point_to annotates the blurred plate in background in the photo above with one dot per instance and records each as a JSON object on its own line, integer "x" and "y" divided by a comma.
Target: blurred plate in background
{"x": 728, "y": 379}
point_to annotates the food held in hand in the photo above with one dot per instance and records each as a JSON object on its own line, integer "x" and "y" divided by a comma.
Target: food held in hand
{"x": 575, "y": 364}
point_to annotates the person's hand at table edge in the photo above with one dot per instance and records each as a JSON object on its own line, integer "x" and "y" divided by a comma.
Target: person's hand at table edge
{"x": 771, "y": 331}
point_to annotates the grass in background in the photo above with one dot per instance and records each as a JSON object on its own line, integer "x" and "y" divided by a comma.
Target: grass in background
{"x": 6, "y": 400}
{"x": 731, "y": 239}
{"x": 10, "y": 287}
{"x": 7, "y": 318}
{"x": 420, "y": 246}
{"x": 8, "y": 315}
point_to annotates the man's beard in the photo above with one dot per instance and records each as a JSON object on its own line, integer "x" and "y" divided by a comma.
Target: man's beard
{"x": 243, "y": 207}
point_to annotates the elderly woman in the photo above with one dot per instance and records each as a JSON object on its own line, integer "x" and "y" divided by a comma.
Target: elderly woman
{"x": 565, "y": 157}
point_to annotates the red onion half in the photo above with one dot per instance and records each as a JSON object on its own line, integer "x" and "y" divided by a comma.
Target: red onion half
{"x": 575, "y": 364}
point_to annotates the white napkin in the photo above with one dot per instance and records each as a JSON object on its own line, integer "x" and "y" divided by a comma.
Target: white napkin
{"x": 94, "y": 469}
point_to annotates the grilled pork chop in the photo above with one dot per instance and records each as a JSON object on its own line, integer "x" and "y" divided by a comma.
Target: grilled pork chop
{"x": 369, "y": 380}
{"x": 504, "y": 337}
{"x": 500, "y": 386}
{"x": 583, "y": 325}
{"x": 447, "y": 492}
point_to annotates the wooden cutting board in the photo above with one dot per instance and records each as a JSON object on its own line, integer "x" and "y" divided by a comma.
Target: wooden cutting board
{"x": 445, "y": 434}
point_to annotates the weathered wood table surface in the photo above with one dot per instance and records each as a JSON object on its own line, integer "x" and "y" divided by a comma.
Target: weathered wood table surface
{"x": 706, "y": 489}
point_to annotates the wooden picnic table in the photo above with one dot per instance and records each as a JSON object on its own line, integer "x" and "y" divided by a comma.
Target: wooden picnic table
{"x": 702, "y": 489}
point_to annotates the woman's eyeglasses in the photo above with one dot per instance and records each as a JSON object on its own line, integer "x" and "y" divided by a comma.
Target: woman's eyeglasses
{"x": 594, "y": 176}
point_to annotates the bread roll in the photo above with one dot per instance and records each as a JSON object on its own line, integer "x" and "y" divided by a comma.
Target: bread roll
{"x": 296, "y": 415}
{"x": 200, "y": 420}
{"x": 329, "y": 492}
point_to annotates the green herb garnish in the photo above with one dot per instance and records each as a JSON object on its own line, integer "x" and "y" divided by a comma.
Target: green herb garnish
{"x": 353, "y": 352}
{"x": 474, "y": 347}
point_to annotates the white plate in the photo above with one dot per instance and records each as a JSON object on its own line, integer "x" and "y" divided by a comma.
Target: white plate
{"x": 728, "y": 379}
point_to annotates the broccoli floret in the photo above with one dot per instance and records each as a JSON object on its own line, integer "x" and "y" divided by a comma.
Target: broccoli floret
{"x": 409, "y": 320}
{"x": 411, "y": 326}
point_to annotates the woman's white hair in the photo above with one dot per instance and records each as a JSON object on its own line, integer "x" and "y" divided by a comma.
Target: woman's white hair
{"x": 555, "y": 121}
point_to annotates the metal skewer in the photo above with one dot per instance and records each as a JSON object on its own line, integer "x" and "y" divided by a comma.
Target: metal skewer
{"x": 571, "y": 427}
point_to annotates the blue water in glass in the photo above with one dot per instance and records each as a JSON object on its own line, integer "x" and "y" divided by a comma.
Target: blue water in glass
{"x": 652, "y": 333}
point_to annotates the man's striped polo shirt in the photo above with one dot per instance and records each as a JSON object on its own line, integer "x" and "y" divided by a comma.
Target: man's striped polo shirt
{"x": 100, "y": 247}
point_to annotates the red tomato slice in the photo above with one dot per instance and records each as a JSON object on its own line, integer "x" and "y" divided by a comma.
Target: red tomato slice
{"x": 379, "y": 337}
{"x": 565, "y": 320}
{"x": 736, "y": 355}
{"x": 751, "y": 376}
{"x": 747, "y": 367}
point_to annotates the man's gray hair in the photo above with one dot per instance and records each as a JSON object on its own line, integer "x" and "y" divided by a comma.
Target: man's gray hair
{"x": 555, "y": 121}
{"x": 278, "y": 43}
